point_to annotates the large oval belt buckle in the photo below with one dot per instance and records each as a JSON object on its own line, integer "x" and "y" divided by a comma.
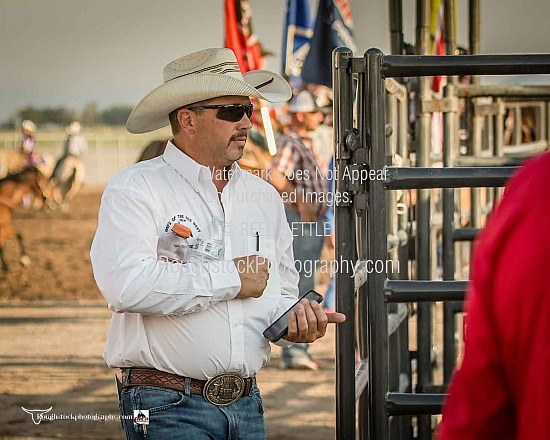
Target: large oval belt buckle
{"x": 223, "y": 389}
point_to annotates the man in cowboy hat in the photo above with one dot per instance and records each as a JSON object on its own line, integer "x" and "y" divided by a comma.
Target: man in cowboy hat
{"x": 194, "y": 256}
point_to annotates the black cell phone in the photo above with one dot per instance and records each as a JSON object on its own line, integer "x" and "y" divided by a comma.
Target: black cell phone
{"x": 279, "y": 328}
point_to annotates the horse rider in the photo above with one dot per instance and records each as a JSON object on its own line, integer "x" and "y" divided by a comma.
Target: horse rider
{"x": 27, "y": 146}
{"x": 75, "y": 144}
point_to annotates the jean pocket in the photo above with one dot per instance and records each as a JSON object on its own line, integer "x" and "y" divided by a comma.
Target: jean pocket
{"x": 258, "y": 398}
{"x": 156, "y": 399}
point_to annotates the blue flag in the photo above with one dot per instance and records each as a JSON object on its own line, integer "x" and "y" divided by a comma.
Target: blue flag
{"x": 296, "y": 35}
{"x": 333, "y": 28}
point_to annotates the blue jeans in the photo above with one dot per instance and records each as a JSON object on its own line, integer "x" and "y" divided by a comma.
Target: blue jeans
{"x": 307, "y": 245}
{"x": 175, "y": 415}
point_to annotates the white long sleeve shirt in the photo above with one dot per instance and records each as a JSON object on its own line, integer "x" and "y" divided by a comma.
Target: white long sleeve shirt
{"x": 183, "y": 317}
{"x": 76, "y": 145}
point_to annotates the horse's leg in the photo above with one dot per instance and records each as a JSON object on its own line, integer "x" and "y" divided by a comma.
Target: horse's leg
{"x": 75, "y": 183}
{"x": 24, "y": 259}
{"x": 3, "y": 261}
{"x": 5, "y": 266}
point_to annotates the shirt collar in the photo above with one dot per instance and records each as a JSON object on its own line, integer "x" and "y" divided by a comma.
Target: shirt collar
{"x": 191, "y": 170}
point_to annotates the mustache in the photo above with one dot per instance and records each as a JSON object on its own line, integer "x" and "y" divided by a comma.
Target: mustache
{"x": 239, "y": 135}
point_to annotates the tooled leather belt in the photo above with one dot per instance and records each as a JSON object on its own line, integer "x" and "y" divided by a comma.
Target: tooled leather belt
{"x": 219, "y": 390}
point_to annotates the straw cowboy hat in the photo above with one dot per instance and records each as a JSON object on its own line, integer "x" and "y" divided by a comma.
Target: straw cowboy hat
{"x": 29, "y": 126}
{"x": 199, "y": 76}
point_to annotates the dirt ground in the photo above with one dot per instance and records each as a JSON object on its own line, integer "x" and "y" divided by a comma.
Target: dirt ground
{"x": 54, "y": 323}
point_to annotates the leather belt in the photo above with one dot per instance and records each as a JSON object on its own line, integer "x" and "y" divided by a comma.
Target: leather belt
{"x": 220, "y": 390}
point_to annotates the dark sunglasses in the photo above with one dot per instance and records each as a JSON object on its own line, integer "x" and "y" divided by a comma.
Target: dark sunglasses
{"x": 229, "y": 112}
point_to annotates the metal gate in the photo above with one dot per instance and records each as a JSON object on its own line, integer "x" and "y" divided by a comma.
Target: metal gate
{"x": 375, "y": 399}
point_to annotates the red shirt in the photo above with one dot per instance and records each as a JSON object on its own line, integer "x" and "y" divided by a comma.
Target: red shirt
{"x": 502, "y": 389}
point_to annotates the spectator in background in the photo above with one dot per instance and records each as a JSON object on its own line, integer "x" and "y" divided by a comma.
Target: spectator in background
{"x": 323, "y": 136}
{"x": 323, "y": 143}
{"x": 501, "y": 389}
{"x": 296, "y": 175}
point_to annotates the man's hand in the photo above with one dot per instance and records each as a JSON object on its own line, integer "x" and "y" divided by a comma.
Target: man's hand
{"x": 254, "y": 273}
{"x": 308, "y": 322}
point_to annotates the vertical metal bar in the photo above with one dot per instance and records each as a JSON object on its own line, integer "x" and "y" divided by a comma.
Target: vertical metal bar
{"x": 450, "y": 33}
{"x": 403, "y": 258}
{"x": 377, "y": 246}
{"x": 403, "y": 218}
{"x": 498, "y": 139}
{"x": 475, "y": 134}
{"x": 474, "y": 31}
{"x": 345, "y": 250}
{"x": 490, "y": 146}
{"x": 424, "y": 313}
{"x": 391, "y": 150}
{"x": 363, "y": 410}
{"x": 396, "y": 27}
{"x": 450, "y": 151}
{"x": 391, "y": 227}
{"x": 539, "y": 118}
{"x": 475, "y": 194}
{"x": 517, "y": 124}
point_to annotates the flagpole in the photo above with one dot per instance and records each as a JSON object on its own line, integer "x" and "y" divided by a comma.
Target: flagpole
{"x": 268, "y": 128}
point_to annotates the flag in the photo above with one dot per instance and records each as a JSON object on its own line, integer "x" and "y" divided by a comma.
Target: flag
{"x": 240, "y": 37}
{"x": 296, "y": 35}
{"x": 333, "y": 28}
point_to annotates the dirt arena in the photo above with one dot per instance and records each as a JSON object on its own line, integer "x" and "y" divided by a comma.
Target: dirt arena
{"x": 54, "y": 322}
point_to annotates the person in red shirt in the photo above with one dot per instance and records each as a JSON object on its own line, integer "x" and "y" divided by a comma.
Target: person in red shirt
{"x": 502, "y": 389}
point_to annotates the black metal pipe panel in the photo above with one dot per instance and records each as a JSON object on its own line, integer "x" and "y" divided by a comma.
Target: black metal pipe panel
{"x": 402, "y": 404}
{"x": 470, "y": 91}
{"x": 377, "y": 311}
{"x": 465, "y": 234}
{"x": 432, "y": 65}
{"x": 415, "y": 291}
{"x": 463, "y": 177}
{"x": 491, "y": 161}
{"x": 345, "y": 249}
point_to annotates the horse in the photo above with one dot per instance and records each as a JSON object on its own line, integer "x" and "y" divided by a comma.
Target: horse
{"x": 153, "y": 149}
{"x": 14, "y": 189}
{"x": 256, "y": 157}
{"x": 13, "y": 161}
{"x": 66, "y": 179}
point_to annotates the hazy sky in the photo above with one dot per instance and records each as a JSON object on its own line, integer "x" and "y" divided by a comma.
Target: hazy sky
{"x": 70, "y": 52}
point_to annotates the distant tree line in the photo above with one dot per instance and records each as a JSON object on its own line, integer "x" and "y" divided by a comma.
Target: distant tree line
{"x": 90, "y": 115}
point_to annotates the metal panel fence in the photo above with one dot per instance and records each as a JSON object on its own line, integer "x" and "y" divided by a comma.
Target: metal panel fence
{"x": 369, "y": 228}
{"x": 108, "y": 153}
